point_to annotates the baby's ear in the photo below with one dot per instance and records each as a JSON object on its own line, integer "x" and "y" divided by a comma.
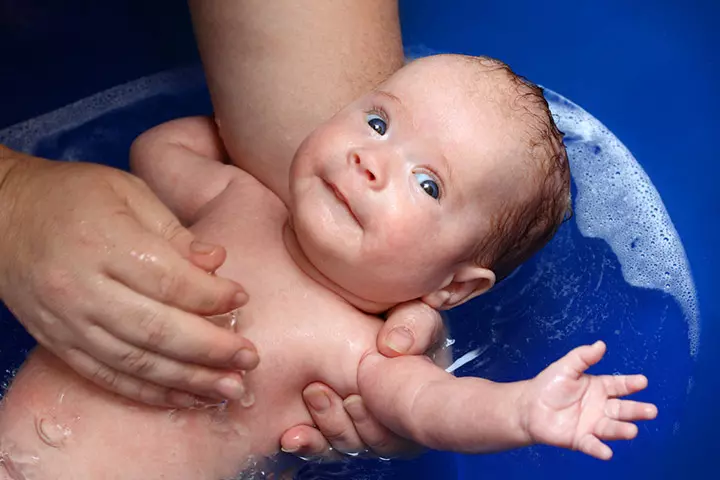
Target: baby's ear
{"x": 467, "y": 283}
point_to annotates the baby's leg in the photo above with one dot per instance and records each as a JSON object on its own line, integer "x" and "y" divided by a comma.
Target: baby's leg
{"x": 56, "y": 425}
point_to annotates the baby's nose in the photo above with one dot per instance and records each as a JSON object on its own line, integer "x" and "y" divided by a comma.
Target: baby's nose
{"x": 368, "y": 165}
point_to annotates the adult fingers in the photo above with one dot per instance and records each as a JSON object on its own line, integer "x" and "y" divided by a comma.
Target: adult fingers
{"x": 328, "y": 413}
{"x": 379, "y": 439}
{"x": 153, "y": 269}
{"x": 628, "y": 410}
{"x": 410, "y": 329}
{"x": 308, "y": 443}
{"x": 160, "y": 370}
{"x": 126, "y": 385}
{"x": 173, "y": 333}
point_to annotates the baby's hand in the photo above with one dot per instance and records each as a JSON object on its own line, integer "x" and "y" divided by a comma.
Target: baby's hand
{"x": 570, "y": 409}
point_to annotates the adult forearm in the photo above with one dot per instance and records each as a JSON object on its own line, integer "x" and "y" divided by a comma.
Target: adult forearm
{"x": 278, "y": 69}
{"x": 11, "y": 163}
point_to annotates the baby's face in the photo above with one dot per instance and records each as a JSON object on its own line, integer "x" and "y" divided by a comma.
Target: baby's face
{"x": 393, "y": 194}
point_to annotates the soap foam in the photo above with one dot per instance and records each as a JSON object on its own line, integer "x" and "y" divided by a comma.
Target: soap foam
{"x": 25, "y": 136}
{"x": 617, "y": 202}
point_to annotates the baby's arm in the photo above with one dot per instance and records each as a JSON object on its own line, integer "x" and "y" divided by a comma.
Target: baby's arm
{"x": 182, "y": 162}
{"x": 562, "y": 406}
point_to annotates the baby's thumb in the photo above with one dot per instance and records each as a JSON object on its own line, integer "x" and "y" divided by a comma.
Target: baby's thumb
{"x": 582, "y": 358}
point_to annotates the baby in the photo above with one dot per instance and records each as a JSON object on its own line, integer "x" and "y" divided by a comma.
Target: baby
{"x": 422, "y": 193}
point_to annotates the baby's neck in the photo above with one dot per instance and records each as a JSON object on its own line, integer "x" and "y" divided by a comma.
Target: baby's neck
{"x": 304, "y": 263}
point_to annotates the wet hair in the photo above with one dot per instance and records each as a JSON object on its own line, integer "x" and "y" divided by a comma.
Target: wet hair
{"x": 523, "y": 226}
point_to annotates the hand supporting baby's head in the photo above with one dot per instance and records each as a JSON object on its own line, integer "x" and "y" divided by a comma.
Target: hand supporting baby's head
{"x": 446, "y": 177}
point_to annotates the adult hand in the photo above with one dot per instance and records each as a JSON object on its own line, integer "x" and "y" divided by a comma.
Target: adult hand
{"x": 346, "y": 427}
{"x": 411, "y": 328}
{"x": 103, "y": 275}
{"x": 342, "y": 428}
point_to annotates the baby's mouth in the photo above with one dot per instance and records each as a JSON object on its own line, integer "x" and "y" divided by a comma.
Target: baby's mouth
{"x": 339, "y": 195}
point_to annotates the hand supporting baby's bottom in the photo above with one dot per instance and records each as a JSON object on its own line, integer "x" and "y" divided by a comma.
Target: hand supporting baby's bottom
{"x": 565, "y": 407}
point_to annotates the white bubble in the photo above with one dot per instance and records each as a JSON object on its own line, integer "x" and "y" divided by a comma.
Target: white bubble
{"x": 612, "y": 185}
{"x": 26, "y": 136}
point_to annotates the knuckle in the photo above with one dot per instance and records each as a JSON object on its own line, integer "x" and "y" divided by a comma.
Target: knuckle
{"x": 58, "y": 283}
{"x": 172, "y": 230}
{"x": 336, "y": 434}
{"x": 105, "y": 376}
{"x": 137, "y": 361}
{"x": 216, "y": 298}
{"x": 156, "y": 331}
{"x": 382, "y": 444}
{"x": 196, "y": 379}
{"x": 168, "y": 284}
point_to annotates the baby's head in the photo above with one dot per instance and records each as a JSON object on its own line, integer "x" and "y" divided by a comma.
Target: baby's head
{"x": 441, "y": 181}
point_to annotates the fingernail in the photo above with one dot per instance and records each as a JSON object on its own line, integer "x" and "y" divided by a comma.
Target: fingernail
{"x": 318, "y": 400}
{"x": 295, "y": 445}
{"x": 245, "y": 359}
{"x": 400, "y": 339}
{"x": 230, "y": 388}
{"x": 355, "y": 408}
{"x": 201, "y": 248}
{"x": 240, "y": 299}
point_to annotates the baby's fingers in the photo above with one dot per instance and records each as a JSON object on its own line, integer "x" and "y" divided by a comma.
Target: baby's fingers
{"x": 590, "y": 445}
{"x": 622, "y": 385}
{"x": 380, "y": 440}
{"x": 608, "y": 429}
{"x": 628, "y": 410}
{"x": 582, "y": 358}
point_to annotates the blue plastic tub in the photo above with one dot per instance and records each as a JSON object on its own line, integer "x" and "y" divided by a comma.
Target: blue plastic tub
{"x": 634, "y": 267}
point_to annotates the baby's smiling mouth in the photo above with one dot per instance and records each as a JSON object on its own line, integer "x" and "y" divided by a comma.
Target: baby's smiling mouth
{"x": 343, "y": 200}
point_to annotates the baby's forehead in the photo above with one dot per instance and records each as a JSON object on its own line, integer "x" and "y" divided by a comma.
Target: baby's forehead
{"x": 457, "y": 75}
{"x": 467, "y": 107}
{"x": 460, "y": 103}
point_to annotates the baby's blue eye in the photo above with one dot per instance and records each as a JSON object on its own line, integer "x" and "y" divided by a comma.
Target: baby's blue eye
{"x": 377, "y": 123}
{"x": 428, "y": 184}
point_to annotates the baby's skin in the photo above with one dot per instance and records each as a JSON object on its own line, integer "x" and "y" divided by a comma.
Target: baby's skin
{"x": 308, "y": 316}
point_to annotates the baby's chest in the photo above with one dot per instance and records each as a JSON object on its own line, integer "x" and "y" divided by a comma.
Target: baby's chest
{"x": 303, "y": 332}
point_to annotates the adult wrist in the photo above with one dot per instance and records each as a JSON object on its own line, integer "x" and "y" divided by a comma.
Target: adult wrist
{"x": 13, "y": 168}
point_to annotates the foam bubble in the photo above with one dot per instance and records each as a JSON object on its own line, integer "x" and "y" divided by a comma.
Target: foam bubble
{"x": 617, "y": 202}
{"x": 25, "y": 136}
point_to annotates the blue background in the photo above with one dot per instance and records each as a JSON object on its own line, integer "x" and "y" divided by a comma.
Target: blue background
{"x": 646, "y": 69}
